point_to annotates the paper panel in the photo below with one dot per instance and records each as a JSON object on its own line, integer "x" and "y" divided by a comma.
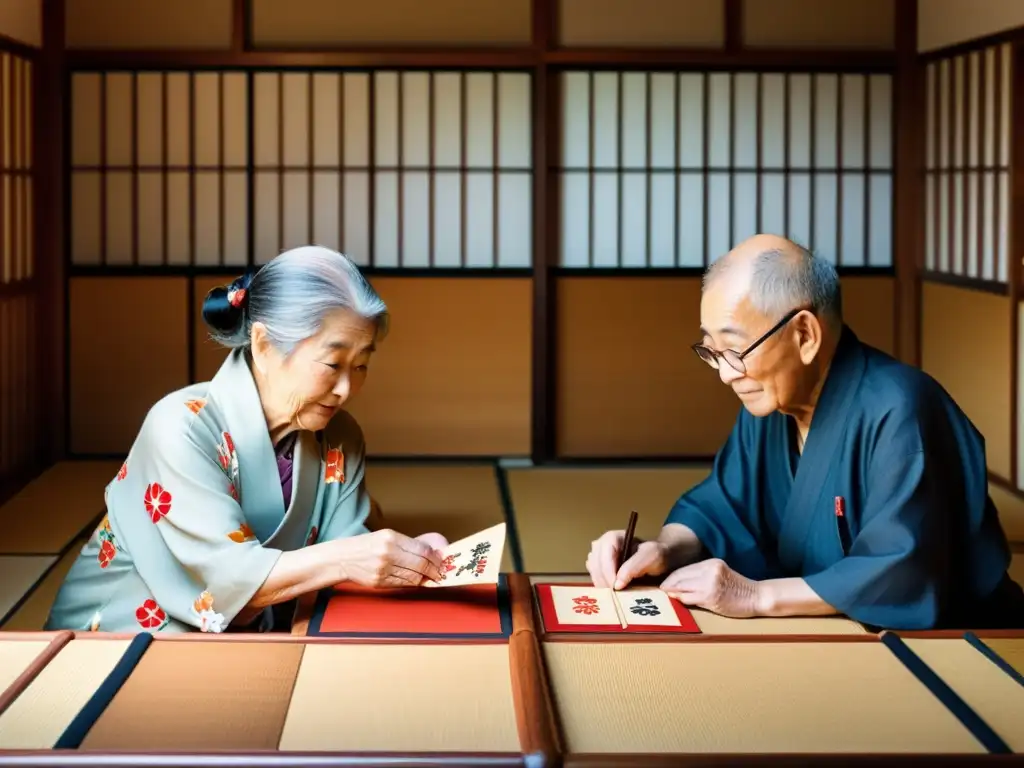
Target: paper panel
{"x": 475, "y": 559}
{"x": 585, "y": 605}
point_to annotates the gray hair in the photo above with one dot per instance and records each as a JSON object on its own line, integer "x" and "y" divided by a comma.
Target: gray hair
{"x": 784, "y": 280}
{"x": 291, "y": 295}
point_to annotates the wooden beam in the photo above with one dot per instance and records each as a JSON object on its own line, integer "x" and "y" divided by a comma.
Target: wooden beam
{"x": 544, "y": 367}
{"x": 733, "y": 10}
{"x": 240, "y": 15}
{"x": 51, "y": 209}
{"x": 908, "y": 209}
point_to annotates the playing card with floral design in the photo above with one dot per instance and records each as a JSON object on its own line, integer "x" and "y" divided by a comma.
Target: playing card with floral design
{"x": 585, "y": 608}
{"x": 475, "y": 559}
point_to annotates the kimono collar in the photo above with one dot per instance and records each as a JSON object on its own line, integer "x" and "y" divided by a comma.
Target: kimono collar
{"x": 234, "y": 391}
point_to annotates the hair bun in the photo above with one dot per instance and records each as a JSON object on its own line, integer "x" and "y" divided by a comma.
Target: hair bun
{"x": 224, "y": 306}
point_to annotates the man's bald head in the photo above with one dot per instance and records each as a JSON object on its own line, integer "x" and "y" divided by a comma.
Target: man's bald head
{"x": 777, "y": 276}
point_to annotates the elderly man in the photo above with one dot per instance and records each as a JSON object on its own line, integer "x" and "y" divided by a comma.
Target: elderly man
{"x": 850, "y": 483}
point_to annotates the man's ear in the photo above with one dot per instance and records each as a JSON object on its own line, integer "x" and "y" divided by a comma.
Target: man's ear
{"x": 809, "y": 336}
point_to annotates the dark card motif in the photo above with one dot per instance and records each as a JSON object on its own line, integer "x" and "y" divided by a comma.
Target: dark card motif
{"x": 478, "y": 562}
{"x": 644, "y": 606}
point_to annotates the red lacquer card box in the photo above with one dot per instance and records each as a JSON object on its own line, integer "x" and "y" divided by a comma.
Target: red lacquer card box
{"x": 585, "y": 608}
{"x": 475, "y": 611}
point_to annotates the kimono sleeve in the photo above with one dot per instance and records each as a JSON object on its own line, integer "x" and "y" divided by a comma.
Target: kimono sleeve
{"x": 350, "y": 512}
{"x": 189, "y": 499}
{"x": 722, "y": 511}
{"x": 895, "y": 574}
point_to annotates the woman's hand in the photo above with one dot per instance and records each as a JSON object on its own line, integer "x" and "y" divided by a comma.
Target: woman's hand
{"x": 387, "y": 558}
{"x": 435, "y": 540}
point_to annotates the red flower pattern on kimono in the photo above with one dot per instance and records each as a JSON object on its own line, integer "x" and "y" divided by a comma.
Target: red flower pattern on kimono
{"x": 311, "y": 539}
{"x": 233, "y": 491}
{"x": 242, "y": 533}
{"x": 227, "y": 456}
{"x": 122, "y": 473}
{"x": 107, "y": 553}
{"x": 157, "y": 501}
{"x": 335, "y": 472}
{"x": 150, "y": 615}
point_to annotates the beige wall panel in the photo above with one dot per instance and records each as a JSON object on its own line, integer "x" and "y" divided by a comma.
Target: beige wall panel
{"x": 869, "y": 305}
{"x": 819, "y": 23}
{"x": 642, "y": 23}
{"x": 322, "y": 23}
{"x": 453, "y": 376}
{"x": 22, "y": 20}
{"x": 941, "y": 23}
{"x": 128, "y": 349}
{"x": 965, "y": 345}
{"x": 209, "y": 354}
{"x": 629, "y": 384}
{"x": 182, "y": 24}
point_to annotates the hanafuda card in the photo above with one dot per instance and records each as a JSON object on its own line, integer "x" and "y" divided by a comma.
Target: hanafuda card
{"x": 583, "y": 608}
{"x": 475, "y": 559}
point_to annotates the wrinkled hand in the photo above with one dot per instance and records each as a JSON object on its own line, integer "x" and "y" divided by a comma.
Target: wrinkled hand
{"x": 714, "y": 586}
{"x": 650, "y": 559}
{"x": 435, "y": 540}
{"x": 387, "y": 558}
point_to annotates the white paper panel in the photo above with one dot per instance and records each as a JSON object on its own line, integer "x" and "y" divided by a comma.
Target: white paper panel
{"x": 691, "y": 120}
{"x": 296, "y": 209}
{"x": 266, "y": 209}
{"x": 356, "y": 234}
{"x": 480, "y": 220}
{"x": 691, "y": 221}
{"x": 854, "y": 138}
{"x": 575, "y": 120}
{"x": 943, "y": 114}
{"x": 149, "y": 108}
{"x": 208, "y": 220}
{"x": 357, "y": 120}
{"x": 931, "y": 115}
{"x": 447, "y": 119}
{"x": 575, "y": 229}
{"x": 971, "y": 256}
{"x": 85, "y": 217}
{"x": 852, "y": 250}
{"x": 606, "y": 221}
{"x": 515, "y": 220}
{"x": 326, "y": 209}
{"x": 1003, "y": 231}
{"x": 943, "y": 254}
{"x": 385, "y": 225}
{"x": 825, "y": 238}
{"x": 236, "y": 218}
{"x": 326, "y": 116}
{"x": 799, "y": 121}
{"x": 415, "y": 129}
{"x": 799, "y": 209}
{"x": 746, "y": 128}
{"x": 634, "y": 120}
{"x": 295, "y": 118}
{"x": 719, "y": 127}
{"x": 266, "y": 118}
{"x": 1005, "y": 82}
{"x": 931, "y": 212}
{"x": 826, "y": 120}
{"x": 606, "y": 119}
{"x": 415, "y": 251}
{"x": 663, "y": 220}
{"x": 744, "y": 206}
{"x": 773, "y": 204}
{"x": 179, "y": 119}
{"x": 236, "y": 99}
{"x": 880, "y": 245}
{"x": 634, "y": 219}
{"x": 85, "y": 117}
{"x": 151, "y": 217}
{"x": 447, "y": 219}
{"x": 118, "y": 217}
{"x": 514, "y": 120}
{"x": 480, "y": 98}
{"x": 773, "y": 120}
{"x": 959, "y": 111}
{"x": 990, "y": 232}
{"x": 207, "y": 124}
{"x": 663, "y": 120}
{"x": 973, "y": 108}
{"x": 719, "y": 236}
{"x": 119, "y": 119}
{"x": 179, "y": 197}
{"x": 386, "y": 128}
{"x": 957, "y": 263}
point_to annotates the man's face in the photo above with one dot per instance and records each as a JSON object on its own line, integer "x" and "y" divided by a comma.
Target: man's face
{"x": 773, "y": 370}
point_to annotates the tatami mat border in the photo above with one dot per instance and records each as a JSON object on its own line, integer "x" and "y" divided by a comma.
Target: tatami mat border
{"x": 959, "y": 708}
{"x": 28, "y": 759}
{"x": 22, "y": 681}
{"x": 100, "y": 700}
{"x": 991, "y": 654}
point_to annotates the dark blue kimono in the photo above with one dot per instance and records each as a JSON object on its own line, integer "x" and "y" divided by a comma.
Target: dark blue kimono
{"x": 886, "y": 514}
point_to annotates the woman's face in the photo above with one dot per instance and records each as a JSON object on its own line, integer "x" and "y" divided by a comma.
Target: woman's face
{"x": 309, "y": 386}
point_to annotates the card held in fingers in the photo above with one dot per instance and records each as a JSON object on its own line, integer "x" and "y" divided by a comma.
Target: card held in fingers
{"x": 475, "y": 559}
{"x": 647, "y": 606}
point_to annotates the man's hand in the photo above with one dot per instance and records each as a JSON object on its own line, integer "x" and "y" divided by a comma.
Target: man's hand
{"x": 714, "y": 586}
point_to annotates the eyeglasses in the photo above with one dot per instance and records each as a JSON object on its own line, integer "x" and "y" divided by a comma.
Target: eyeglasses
{"x": 734, "y": 358}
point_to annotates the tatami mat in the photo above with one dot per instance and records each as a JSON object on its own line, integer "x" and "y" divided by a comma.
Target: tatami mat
{"x": 746, "y": 697}
{"x": 713, "y": 624}
{"x": 994, "y": 695}
{"x": 241, "y": 703}
{"x": 16, "y": 656}
{"x": 452, "y": 499}
{"x": 40, "y": 714}
{"x": 560, "y": 511}
{"x": 32, "y": 614}
{"x": 17, "y": 575}
{"x": 55, "y": 507}
{"x": 1011, "y": 512}
{"x": 441, "y": 698}
{"x": 1010, "y": 649}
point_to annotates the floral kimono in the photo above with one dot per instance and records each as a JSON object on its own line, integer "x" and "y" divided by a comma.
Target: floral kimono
{"x": 196, "y": 518}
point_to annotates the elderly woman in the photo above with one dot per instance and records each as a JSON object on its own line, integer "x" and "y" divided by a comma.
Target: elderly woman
{"x": 247, "y": 491}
